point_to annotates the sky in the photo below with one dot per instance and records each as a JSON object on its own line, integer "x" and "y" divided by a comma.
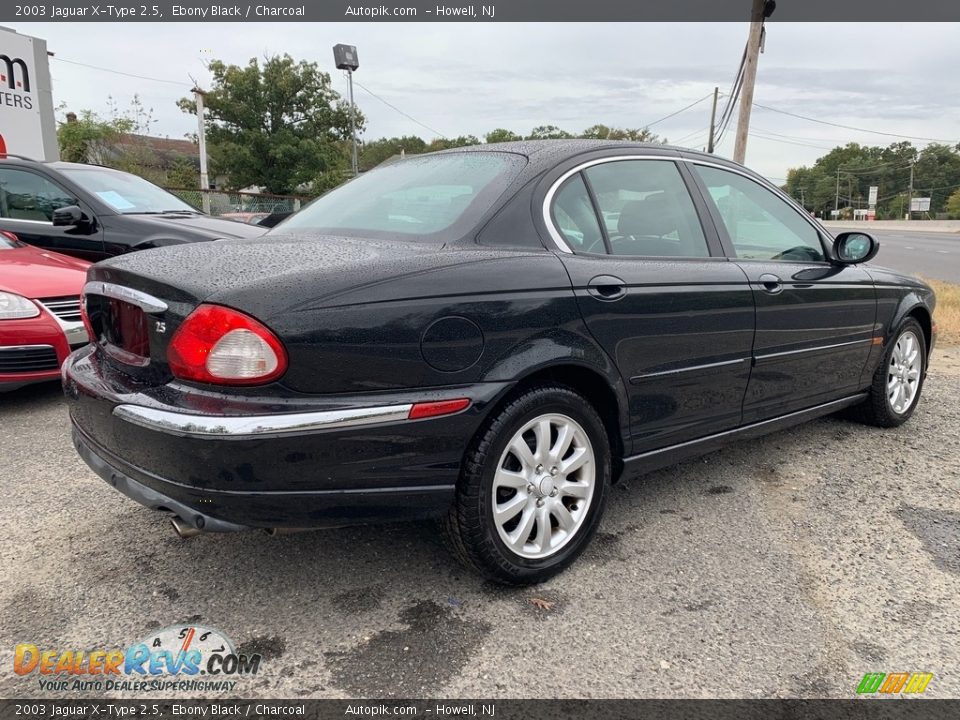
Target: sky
{"x": 469, "y": 78}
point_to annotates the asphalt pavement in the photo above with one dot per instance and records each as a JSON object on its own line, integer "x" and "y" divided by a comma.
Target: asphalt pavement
{"x": 929, "y": 255}
{"x": 783, "y": 567}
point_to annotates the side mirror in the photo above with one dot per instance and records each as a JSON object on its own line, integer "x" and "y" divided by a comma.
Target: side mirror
{"x": 851, "y": 248}
{"x": 68, "y": 216}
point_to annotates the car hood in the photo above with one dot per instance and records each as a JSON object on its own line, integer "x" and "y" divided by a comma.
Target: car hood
{"x": 276, "y": 273}
{"x": 200, "y": 226}
{"x": 36, "y": 273}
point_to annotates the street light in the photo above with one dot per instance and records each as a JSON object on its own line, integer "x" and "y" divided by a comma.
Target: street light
{"x": 345, "y": 56}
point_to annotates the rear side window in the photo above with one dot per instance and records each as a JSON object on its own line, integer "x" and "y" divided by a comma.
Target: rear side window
{"x": 761, "y": 225}
{"x": 28, "y": 196}
{"x": 574, "y": 217}
{"x": 433, "y": 198}
{"x": 647, "y": 210}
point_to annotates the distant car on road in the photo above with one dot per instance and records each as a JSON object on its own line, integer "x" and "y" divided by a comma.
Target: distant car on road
{"x": 40, "y": 319}
{"x": 491, "y": 334}
{"x": 93, "y": 212}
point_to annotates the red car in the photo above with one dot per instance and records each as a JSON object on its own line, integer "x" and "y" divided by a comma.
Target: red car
{"x": 40, "y": 319}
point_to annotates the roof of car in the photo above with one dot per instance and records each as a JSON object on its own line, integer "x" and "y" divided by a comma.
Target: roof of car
{"x": 546, "y": 153}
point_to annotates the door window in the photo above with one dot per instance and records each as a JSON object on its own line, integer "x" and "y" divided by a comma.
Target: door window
{"x": 646, "y": 209}
{"x": 28, "y": 196}
{"x": 761, "y": 225}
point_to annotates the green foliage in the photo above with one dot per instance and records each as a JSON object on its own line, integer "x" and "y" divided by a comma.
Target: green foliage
{"x": 279, "y": 125}
{"x": 182, "y": 173}
{"x": 953, "y": 205}
{"x": 936, "y": 169}
{"x": 501, "y": 135}
{"x": 548, "y": 132}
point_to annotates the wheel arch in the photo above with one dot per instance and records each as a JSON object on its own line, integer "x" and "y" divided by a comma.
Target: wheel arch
{"x": 922, "y": 315}
{"x": 608, "y": 400}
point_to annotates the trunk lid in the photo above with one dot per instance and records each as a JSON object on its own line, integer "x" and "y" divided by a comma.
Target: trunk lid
{"x": 262, "y": 277}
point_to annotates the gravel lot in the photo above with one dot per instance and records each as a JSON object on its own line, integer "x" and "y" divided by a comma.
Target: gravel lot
{"x": 785, "y": 567}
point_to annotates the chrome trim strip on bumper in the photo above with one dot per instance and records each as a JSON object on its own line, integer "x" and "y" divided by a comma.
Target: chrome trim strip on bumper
{"x": 227, "y": 426}
{"x": 147, "y": 303}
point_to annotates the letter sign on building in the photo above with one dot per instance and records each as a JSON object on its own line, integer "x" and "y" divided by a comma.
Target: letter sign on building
{"x": 27, "y": 125}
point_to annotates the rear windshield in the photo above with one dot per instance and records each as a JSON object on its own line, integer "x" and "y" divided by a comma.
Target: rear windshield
{"x": 433, "y": 198}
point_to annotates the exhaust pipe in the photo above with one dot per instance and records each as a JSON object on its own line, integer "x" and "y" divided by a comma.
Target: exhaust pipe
{"x": 182, "y": 529}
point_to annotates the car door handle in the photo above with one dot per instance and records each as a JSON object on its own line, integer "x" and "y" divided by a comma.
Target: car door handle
{"x": 607, "y": 288}
{"x": 771, "y": 283}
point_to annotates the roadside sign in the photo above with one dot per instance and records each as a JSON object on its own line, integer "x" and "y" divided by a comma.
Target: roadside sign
{"x": 920, "y": 205}
{"x": 27, "y": 125}
{"x": 872, "y": 197}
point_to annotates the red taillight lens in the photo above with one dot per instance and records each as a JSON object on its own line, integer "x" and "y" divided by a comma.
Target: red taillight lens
{"x": 216, "y": 344}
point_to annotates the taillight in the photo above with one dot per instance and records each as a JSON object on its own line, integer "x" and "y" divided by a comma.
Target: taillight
{"x": 216, "y": 344}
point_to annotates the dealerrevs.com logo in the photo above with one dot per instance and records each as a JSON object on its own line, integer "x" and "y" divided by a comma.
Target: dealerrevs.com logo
{"x": 180, "y": 657}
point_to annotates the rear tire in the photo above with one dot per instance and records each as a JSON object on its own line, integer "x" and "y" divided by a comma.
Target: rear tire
{"x": 898, "y": 381}
{"x": 532, "y": 488}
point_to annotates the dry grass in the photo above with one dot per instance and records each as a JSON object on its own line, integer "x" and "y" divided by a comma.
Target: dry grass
{"x": 947, "y": 313}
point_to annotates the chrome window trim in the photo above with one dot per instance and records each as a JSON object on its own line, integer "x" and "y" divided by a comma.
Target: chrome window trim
{"x": 235, "y": 426}
{"x": 35, "y": 222}
{"x": 562, "y": 244}
{"x": 147, "y": 303}
{"x": 555, "y": 234}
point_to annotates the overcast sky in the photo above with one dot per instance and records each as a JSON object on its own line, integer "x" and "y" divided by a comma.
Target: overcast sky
{"x": 462, "y": 78}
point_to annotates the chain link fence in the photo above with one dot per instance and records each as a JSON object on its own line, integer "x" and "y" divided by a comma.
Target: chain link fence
{"x": 242, "y": 206}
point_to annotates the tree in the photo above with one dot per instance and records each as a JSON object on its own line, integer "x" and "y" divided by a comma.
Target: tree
{"x": 548, "y": 132}
{"x": 377, "y": 151}
{"x": 86, "y": 137}
{"x": 603, "y": 132}
{"x": 279, "y": 126}
{"x": 953, "y": 205}
{"x": 501, "y": 135}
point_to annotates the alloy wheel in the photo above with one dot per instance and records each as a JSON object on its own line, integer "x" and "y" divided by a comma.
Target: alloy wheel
{"x": 543, "y": 486}
{"x": 903, "y": 373}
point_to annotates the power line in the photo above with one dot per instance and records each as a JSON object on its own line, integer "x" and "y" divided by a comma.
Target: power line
{"x": 849, "y": 127}
{"x": 406, "y": 115}
{"x": 677, "y": 112}
{"x": 119, "y": 72}
{"x": 788, "y": 142}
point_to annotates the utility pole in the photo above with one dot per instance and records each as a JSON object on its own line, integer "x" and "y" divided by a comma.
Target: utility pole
{"x": 202, "y": 139}
{"x": 836, "y": 202}
{"x": 713, "y": 119}
{"x": 761, "y": 10}
{"x": 353, "y": 125}
{"x": 910, "y": 194}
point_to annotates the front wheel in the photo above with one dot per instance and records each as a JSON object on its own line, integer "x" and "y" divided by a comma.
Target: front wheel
{"x": 533, "y": 487}
{"x": 898, "y": 380}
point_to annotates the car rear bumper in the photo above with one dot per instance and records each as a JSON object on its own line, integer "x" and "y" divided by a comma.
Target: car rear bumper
{"x": 317, "y": 463}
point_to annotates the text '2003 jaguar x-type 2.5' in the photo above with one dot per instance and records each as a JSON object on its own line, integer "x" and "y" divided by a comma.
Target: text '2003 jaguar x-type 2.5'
{"x": 493, "y": 335}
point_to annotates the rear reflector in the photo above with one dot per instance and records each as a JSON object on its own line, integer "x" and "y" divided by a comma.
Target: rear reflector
{"x": 434, "y": 409}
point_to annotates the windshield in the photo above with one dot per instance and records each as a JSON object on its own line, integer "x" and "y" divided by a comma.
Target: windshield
{"x": 125, "y": 193}
{"x": 435, "y": 198}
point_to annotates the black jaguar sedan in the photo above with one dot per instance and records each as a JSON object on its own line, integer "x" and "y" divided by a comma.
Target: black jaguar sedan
{"x": 492, "y": 335}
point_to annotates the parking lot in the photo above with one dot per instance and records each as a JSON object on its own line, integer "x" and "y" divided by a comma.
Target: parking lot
{"x": 788, "y": 566}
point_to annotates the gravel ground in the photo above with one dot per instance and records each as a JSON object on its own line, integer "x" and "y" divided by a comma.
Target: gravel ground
{"x": 784, "y": 567}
